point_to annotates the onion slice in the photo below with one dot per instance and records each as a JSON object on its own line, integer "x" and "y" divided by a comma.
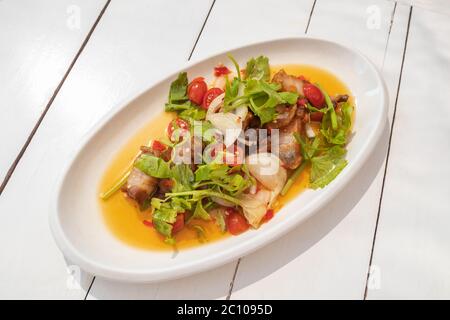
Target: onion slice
{"x": 215, "y": 105}
{"x": 309, "y": 130}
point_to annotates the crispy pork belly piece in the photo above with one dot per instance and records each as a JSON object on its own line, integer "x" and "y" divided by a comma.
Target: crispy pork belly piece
{"x": 288, "y": 82}
{"x": 289, "y": 149}
{"x": 285, "y": 114}
{"x": 140, "y": 186}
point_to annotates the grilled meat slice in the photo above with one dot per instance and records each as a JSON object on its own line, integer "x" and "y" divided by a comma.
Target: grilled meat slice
{"x": 140, "y": 186}
{"x": 289, "y": 149}
{"x": 288, "y": 82}
{"x": 285, "y": 114}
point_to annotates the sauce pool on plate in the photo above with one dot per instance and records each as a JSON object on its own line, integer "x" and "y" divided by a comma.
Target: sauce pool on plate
{"x": 126, "y": 221}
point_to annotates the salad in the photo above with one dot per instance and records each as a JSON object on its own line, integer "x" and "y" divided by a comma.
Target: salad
{"x": 235, "y": 146}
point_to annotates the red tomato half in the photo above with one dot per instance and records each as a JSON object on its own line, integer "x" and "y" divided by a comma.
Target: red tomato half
{"x": 210, "y": 95}
{"x": 196, "y": 90}
{"x": 177, "y": 123}
{"x": 269, "y": 215}
{"x": 236, "y": 223}
{"x": 158, "y": 146}
{"x": 178, "y": 224}
{"x": 316, "y": 116}
{"x": 314, "y": 95}
{"x": 221, "y": 70}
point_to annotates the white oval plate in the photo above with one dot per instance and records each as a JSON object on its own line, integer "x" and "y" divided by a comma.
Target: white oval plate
{"x": 77, "y": 223}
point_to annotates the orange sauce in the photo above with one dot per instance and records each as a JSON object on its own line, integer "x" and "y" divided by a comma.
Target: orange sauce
{"x": 125, "y": 220}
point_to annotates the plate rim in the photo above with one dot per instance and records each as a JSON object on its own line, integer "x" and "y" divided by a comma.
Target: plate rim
{"x": 232, "y": 253}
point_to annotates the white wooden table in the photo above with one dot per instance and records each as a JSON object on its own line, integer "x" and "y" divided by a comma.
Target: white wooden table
{"x": 66, "y": 63}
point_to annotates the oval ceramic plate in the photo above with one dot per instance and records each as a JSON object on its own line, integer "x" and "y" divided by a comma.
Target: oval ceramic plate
{"x": 77, "y": 222}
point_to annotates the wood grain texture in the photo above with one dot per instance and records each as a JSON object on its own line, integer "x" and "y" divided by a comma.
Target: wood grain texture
{"x": 413, "y": 240}
{"x": 327, "y": 257}
{"x": 132, "y": 46}
{"x": 38, "y": 41}
{"x": 215, "y": 284}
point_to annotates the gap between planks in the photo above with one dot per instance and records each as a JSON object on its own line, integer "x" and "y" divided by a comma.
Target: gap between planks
{"x": 389, "y": 149}
{"x": 230, "y": 291}
{"x": 189, "y": 58}
{"x": 16, "y": 161}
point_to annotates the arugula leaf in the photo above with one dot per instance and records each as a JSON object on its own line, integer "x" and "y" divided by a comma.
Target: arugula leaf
{"x": 165, "y": 229}
{"x": 258, "y": 69}
{"x": 183, "y": 177}
{"x": 178, "y": 89}
{"x": 153, "y": 166}
{"x": 193, "y": 113}
{"x": 308, "y": 148}
{"x": 326, "y": 167}
{"x": 197, "y": 195}
{"x": 200, "y": 212}
{"x": 264, "y": 98}
{"x": 165, "y": 213}
{"x": 222, "y": 177}
{"x": 339, "y": 135}
{"x": 175, "y": 107}
{"x": 211, "y": 171}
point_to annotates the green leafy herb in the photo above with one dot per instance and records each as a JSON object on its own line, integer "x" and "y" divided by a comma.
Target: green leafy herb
{"x": 264, "y": 98}
{"x": 193, "y": 113}
{"x": 178, "y": 89}
{"x": 236, "y": 65}
{"x": 327, "y": 166}
{"x": 258, "y": 69}
{"x": 183, "y": 177}
{"x": 153, "y": 166}
{"x": 330, "y": 108}
{"x": 339, "y": 135}
{"x": 200, "y": 212}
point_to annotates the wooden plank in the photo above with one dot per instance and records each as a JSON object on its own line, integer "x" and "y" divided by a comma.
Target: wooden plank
{"x": 439, "y": 6}
{"x": 413, "y": 239}
{"x": 235, "y": 23}
{"x": 38, "y": 41}
{"x": 132, "y": 46}
{"x": 254, "y": 16}
{"x": 328, "y": 255}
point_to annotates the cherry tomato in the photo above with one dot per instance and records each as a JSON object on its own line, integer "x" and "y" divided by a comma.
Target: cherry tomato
{"x": 196, "y": 90}
{"x": 269, "y": 215}
{"x": 177, "y": 123}
{"x": 316, "y": 116}
{"x": 158, "y": 146}
{"x": 236, "y": 223}
{"x": 314, "y": 95}
{"x": 221, "y": 70}
{"x": 301, "y": 102}
{"x": 210, "y": 95}
{"x": 178, "y": 224}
